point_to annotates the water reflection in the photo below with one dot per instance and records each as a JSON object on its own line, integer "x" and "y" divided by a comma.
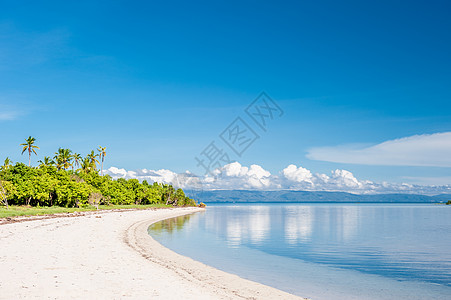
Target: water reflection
{"x": 302, "y": 246}
{"x": 400, "y": 241}
{"x": 298, "y": 224}
{"x": 169, "y": 225}
{"x": 234, "y": 232}
{"x": 255, "y": 224}
{"x": 350, "y": 218}
{"x": 259, "y": 223}
{"x": 251, "y": 223}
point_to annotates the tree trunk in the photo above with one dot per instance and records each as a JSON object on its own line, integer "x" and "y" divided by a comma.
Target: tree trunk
{"x": 5, "y": 200}
{"x": 29, "y": 157}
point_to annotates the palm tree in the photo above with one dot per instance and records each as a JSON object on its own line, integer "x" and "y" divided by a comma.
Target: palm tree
{"x": 102, "y": 154}
{"x": 63, "y": 158}
{"x": 77, "y": 159}
{"x": 28, "y": 145}
{"x": 46, "y": 162}
{"x": 92, "y": 159}
{"x": 85, "y": 164}
{"x": 6, "y": 164}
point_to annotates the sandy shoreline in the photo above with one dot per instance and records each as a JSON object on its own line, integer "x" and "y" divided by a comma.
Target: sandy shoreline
{"x": 109, "y": 256}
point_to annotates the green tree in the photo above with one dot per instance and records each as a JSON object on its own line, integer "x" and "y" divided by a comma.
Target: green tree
{"x": 73, "y": 194}
{"x": 6, "y": 164}
{"x": 179, "y": 197}
{"x": 92, "y": 158}
{"x": 6, "y": 189}
{"x": 85, "y": 165}
{"x": 51, "y": 185}
{"x": 28, "y": 145}
{"x": 47, "y": 161}
{"x": 44, "y": 186}
{"x": 168, "y": 194}
{"x": 24, "y": 192}
{"x": 102, "y": 153}
{"x": 63, "y": 158}
{"x": 77, "y": 159}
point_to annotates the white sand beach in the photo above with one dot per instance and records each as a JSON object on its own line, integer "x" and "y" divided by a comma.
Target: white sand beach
{"x": 109, "y": 255}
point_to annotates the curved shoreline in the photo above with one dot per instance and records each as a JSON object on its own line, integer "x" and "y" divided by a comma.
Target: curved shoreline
{"x": 110, "y": 256}
{"x": 224, "y": 285}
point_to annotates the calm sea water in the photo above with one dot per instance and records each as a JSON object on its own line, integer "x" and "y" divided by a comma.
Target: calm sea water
{"x": 323, "y": 251}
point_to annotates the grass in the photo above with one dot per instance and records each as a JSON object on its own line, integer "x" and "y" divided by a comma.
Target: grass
{"x": 14, "y": 211}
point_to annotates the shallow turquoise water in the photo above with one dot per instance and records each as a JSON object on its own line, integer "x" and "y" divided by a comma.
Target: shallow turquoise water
{"x": 323, "y": 251}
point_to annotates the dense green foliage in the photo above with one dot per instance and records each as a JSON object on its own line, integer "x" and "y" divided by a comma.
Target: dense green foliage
{"x": 48, "y": 186}
{"x": 56, "y": 183}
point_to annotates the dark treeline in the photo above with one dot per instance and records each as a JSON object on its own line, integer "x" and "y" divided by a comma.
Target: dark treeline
{"x": 58, "y": 182}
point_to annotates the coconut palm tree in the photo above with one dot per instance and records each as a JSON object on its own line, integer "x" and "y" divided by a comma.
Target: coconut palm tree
{"x": 6, "y": 164}
{"x": 85, "y": 164}
{"x": 28, "y": 145}
{"x": 92, "y": 159}
{"x": 46, "y": 162}
{"x": 77, "y": 159}
{"x": 102, "y": 153}
{"x": 63, "y": 158}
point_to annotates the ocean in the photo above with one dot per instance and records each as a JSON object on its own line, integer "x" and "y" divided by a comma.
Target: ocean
{"x": 323, "y": 251}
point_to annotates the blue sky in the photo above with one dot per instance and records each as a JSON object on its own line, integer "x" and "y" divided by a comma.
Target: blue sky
{"x": 157, "y": 82}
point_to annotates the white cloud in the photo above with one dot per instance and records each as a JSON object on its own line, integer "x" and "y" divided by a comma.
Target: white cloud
{"x": 345, "y": 178}
{"x": 418, "y": 150}
{"x": 296, "y": 174}
{"x": 181, "y": 180}
{"x": 116, "y": 172}
{"x": 235, "y": 176}
{"x": 162, "y": 176}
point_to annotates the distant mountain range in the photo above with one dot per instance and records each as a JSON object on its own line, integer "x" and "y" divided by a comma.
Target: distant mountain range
{"x": 243, "y": 196}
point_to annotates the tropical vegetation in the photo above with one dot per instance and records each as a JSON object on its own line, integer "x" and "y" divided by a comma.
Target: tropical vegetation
{"x": 70, "y": 180}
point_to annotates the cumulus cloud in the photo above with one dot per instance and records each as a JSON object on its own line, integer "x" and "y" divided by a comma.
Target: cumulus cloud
{"x": 181, "y": 180}
{"x": 418, "y": 150}
{"x": 298, "y": 178}
{"x": 235, "y": 176}
{"x": 162, "y": 176}
{"x": 296, "y": 174}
